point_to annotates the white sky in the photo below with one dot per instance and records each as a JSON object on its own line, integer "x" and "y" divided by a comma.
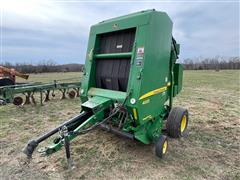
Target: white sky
{"x": 40, "y": 30}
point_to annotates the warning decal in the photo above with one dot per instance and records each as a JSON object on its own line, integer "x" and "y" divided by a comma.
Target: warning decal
{"x": 140, "y": 51}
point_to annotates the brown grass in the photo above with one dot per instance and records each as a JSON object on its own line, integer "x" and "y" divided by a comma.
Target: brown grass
{"x": 211, "y": 151}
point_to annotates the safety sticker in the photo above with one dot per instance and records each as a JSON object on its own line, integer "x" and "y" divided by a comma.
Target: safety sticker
{"x": 119, "y": 46}
{"x": 140, "y": 54}
{"x": 140, "y": 51}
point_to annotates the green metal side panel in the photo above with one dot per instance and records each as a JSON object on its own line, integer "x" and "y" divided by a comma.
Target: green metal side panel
{"x": 96, "y": 103}
{"x": 114, "y": 95}
{"x": 178, "y": 76}
{"x": 156, "y": 66}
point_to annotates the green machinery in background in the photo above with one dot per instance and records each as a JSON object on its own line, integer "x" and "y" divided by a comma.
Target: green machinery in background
{"x": 22, "y": 94}
{"x": 129, "y": 82}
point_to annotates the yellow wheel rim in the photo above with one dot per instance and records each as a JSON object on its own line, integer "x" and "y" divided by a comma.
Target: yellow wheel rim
{"x": 165, "y": 144}
{"x": 183, "y": 123}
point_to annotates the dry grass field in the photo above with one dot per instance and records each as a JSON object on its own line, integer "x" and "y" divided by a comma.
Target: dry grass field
{"x": 211, "y": 150}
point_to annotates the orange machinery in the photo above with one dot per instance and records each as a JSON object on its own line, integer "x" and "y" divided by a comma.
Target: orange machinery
{"x": 8, "y": 76}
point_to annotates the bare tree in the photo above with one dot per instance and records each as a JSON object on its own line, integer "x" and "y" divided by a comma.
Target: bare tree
{"x": 215, "y": 63}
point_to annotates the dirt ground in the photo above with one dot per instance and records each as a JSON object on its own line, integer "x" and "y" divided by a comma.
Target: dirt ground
{"x": 211, "y": 150}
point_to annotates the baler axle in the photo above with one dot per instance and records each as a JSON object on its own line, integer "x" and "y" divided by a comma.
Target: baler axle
{"x": 116, "y": 131}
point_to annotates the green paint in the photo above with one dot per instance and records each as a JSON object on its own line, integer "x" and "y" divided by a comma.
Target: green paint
{"x": 158, "y": 77}
{"x": 154, "y": 33}
{"x": 7, "y": 93}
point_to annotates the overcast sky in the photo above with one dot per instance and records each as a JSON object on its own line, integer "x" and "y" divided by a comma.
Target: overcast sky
{"x": 32, "y": 31}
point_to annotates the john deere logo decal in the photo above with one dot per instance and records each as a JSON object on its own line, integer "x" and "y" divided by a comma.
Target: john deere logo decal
{"x": 115, "y": 26}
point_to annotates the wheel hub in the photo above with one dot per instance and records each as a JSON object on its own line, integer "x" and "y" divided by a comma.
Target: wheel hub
{"x": 165, "y": 144}
{"x": 183, "y": 123}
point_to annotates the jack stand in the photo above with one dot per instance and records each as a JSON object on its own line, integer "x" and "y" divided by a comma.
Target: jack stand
{"x": 67, "y": 147}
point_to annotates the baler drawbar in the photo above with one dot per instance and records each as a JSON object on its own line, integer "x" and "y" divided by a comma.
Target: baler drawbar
{"x": 129, "y": 81}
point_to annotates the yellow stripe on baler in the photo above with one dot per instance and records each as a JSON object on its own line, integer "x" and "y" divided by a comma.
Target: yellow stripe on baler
{"x": 154, "y": 92}
{"x": 135, "y": 113}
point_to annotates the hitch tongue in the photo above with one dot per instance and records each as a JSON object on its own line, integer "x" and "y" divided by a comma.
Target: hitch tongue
{"x": 32, "y": 144}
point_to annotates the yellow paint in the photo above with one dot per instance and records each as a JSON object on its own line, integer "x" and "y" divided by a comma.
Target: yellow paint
{"x": 146, "y": 101}
{"x": 154, "y": 92}
{"x": 164, "y": 149}
{"x": 135, "y": 113}
{"x": 147, "y": 117}
{"x": 183, "y": 123}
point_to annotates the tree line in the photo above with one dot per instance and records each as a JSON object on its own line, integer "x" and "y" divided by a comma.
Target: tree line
{"x": 44, "y": 67}
{"x": 216, "y": 63}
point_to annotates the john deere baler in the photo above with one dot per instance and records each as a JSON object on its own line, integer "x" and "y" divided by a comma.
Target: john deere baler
{"x": 130, "y": 79}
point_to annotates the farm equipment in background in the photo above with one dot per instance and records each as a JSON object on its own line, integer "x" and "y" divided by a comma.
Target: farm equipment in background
{"x": 24, "y": 93}
{"x": 8, "y": 76}
{"x": 10, "y": 92}
{"x": 129, "y": 82}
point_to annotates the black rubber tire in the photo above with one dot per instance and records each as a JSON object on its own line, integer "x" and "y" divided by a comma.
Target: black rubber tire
{"x": 72, "y": 94}
{"x": 174, "y": 121}
{"x": 18, "y": 101}
{"x": 159, "y": 146}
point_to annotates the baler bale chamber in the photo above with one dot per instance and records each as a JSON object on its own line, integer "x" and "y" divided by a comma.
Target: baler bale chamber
{"x": 130, "y": 79}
